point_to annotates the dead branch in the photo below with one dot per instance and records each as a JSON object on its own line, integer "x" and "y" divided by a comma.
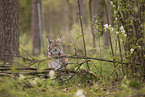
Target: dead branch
{"x": 81, "y": 57}
{"x": 5, "y": 74}
{"x": 46, "y": 71}
{"x": 24, "y": 68}
{"x": 75, "y": 57}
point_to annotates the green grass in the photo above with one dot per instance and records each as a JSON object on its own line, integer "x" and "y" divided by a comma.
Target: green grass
{"x": 16, "y": 87}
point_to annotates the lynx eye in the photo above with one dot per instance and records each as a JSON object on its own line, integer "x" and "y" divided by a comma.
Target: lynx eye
{"x": 51, "y": 42}
{"x": 59, "y": 45}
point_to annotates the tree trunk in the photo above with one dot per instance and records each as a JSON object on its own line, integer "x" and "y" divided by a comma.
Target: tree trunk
{"x": 70, "y": 8}
{"x": 9, "y": 30}
{"x": 36, "y": 27}
{"x": 82, "y": 11}
{"x": 106, "y": 33}
{"x": 92, "y": 24}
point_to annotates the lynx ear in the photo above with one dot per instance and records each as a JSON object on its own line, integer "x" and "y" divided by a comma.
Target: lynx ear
{"x": 60, "y": 36}
{"x": 59, "y": 39}
{"x": 49, "y": 40}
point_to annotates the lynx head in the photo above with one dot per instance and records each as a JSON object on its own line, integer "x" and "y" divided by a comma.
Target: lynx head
{"x": 55, "y": 47}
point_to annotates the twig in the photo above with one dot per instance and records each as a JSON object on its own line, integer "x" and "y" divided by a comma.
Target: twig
{"x": 82, "y": 33}
{"x": 27, "y": 53}
{"x": 80, "y": 64}
{"x": 97, "y": 70}
{"x": 120, "y": 55}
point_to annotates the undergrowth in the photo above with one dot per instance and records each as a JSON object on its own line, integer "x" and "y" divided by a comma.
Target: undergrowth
{"x": 120, "y": 76}
{"x": 106, "y": 84}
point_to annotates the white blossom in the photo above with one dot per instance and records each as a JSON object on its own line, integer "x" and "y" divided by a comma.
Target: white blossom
{"x": 125, "y": 35}
{"x": 105, "y": 26}
{"x": 123, "y": 31}
{"x": 111, "y": 2}
{"x": 79, "y": 93}
{"x": 139, "y": 47}
{"x": 52, "y": 74}
{"x": 117, "y": 32}
{"x": 111, "y": 28}
{"x": 121, "y": 28}
{"x": 131, "y": 50}
{"x": 113, "y": 5}
{"x": 125, "y": 77}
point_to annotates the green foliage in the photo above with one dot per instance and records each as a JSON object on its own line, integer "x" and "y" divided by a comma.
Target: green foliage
{"x": 25, "y": 16}
{"x": 134, "y": 83}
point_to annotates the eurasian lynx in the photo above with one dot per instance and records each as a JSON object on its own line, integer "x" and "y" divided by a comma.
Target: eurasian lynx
{"x": 55, "y": 49}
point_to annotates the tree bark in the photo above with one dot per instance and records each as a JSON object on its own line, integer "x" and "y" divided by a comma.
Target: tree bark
{"x": 82, "y": 12}
{"x": 70, "y": 8}
{"x": 92, "y": 24}
{"x": 9, "y": 30}
{"x": 36, "y": 35}
{"x": 106, "y": 33}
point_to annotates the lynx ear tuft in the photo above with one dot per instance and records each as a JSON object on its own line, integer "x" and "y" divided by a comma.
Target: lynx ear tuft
{"x": 59, "y": 39}
{"x": 49, "y": 40}
{"x": 60, "y": 36}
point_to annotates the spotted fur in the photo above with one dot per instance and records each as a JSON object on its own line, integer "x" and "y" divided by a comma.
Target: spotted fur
{"x": 55, "y": 49}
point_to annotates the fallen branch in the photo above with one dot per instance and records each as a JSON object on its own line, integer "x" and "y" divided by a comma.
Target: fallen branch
{"x": 46, "y": 71}
{"x": 80, "y": 57}
{"x": 5, "y": 74}
{"x": 74, "y": 57}
{"x": 24, "y": 68}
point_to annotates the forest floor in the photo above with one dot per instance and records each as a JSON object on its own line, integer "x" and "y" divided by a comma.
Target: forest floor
{"x": 23, "y": 85}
